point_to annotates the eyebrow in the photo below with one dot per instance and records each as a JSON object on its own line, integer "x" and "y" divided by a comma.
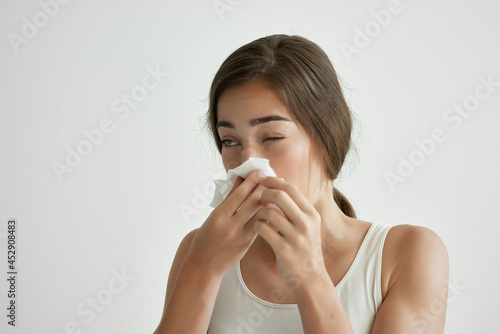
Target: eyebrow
{"x": 254, "y": 122}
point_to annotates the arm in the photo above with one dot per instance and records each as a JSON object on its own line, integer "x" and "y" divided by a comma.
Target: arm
{"x": 205, "y": 255}
{"x": 190, "y": 294}
{"x": 418, "y": 285}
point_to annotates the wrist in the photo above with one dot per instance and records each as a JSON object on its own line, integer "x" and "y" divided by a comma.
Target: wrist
{"x": 320, "y": 306}
{"x": 196, "y": 267}
{"x": 317, "y": 283}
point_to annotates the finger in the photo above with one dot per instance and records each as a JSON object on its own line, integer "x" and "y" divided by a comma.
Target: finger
{"x": 239, "y": 180}
{"x": 293, "y": 192}
{"x": 270, "y": 235}
{"x": 240, "y": 193}
{"x": 284, "y": 203}
{"x": 251, "y": 206}
{"x": 277, "y": 219}
{"x": 249, "y": 230}
{"x": 250, "y": 224}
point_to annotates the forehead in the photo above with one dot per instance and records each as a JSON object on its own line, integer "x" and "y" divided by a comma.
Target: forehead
{"x": 250, "y": 100}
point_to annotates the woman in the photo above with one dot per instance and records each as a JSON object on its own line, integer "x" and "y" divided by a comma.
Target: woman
{"x": 286, "y": 254}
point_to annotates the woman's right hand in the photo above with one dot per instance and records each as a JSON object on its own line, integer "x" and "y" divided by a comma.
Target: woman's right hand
{"x": 226, "y": 235}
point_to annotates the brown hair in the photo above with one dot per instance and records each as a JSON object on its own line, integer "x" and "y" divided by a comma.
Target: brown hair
{"x": 301, "y": 73}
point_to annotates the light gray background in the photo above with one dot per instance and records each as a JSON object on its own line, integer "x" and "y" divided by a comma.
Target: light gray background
{"x": 122, "y": 207}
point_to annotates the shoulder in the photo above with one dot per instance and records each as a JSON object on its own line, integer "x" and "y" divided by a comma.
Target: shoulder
{"x": 414, "y": 250}
{"x": 413, "y": 240}
{"x": 415, "y": 275}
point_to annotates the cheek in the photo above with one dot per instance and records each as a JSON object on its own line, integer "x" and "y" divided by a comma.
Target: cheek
{"x": 292, "y": 164}
{"x": 228, "y": 160}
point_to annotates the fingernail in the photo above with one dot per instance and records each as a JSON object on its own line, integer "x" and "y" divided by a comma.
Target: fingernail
{"x": 260, "y": 175}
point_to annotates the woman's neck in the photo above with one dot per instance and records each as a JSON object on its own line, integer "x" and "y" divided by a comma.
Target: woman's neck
{"x": 335, "y": 225}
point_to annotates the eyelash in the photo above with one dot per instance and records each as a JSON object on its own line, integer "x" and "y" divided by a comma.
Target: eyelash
{"x": 273, "y": 138}
{"x": 225, "y": 141}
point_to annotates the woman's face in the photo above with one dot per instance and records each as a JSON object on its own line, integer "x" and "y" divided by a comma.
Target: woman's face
{"x": 253, "y": 121}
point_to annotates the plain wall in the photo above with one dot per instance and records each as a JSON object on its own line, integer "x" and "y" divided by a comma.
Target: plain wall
{"x": 124, "y": 208}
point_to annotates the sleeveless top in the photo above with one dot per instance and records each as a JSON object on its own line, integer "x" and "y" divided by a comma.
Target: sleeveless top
{"x": 238, "y": 311}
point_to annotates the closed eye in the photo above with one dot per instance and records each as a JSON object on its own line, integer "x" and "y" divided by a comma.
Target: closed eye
{"x": 273, "y": 138}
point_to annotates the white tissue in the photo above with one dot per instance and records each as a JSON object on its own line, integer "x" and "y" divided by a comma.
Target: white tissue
{"x": 223, "y": 187}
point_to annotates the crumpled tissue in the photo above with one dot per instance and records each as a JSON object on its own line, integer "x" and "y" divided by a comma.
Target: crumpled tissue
{"x": 223, "y": 187}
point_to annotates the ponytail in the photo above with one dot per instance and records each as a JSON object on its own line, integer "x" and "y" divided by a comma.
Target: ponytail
{"x": 343, "y": 203}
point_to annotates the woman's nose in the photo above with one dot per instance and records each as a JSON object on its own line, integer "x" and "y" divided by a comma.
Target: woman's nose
{"x": 248, "y": 152}
{"x": 242, "y": 155}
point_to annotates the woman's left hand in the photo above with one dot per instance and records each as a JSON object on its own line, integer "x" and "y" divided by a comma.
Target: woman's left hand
{"x": 292, "y": 226}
